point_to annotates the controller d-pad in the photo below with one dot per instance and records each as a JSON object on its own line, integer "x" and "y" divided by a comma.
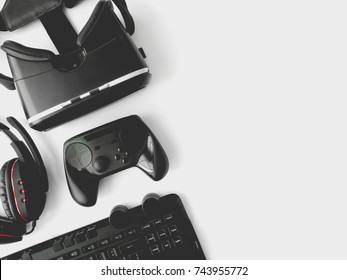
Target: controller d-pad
{"x": 78, "y": 155}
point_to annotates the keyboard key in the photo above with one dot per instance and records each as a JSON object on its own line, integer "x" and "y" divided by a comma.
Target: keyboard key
{"x": 150, "y": 238}
{"x": 177, "y": 240}
{"x": 80, "y": 237}
{"x": 74, "y": 254}
{"x": 130, "y": 247}
{"x": 91, "y": 232}
{"x": 155, "y": 250}
{"x": 101, "y": 256}
{"x": 166, "y": 245}
{"x": 112, "y": 253}
{"x": 173, "y": 230}
{"x": 103, "y": 242}
{"x": 162, "y": 234}
{"x": 69, "y": 241}
{"x": 117, "y": 237}
{"x": 138, "y": 256}
{"x": 146, "y": 227}
{"x": 168, "y": 218}
{"x": 89, "y": 248}
{"x": 26, "y": 256}
{"x": 130, "y": 232}
{"x": 58, "y": 245}
{"x": 158, "y": 222}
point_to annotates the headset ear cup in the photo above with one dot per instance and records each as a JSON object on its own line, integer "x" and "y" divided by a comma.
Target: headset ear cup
{"x": 10, "y": 231}
{"x": 9, "y": 239}
{"x": 3, "y": 189}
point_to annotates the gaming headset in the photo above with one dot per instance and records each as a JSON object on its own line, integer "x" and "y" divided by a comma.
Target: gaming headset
{"x": 23, "y": 186}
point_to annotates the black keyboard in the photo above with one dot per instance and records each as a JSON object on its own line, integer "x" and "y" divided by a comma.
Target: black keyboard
{"x": 165, "y": 234}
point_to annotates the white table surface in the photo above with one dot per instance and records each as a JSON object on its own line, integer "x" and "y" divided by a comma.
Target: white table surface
{"x": 248, "y": 98}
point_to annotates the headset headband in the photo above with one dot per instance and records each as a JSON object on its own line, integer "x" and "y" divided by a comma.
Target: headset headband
{"x": 33, "y": 149}
{"x": 21, "y": 149}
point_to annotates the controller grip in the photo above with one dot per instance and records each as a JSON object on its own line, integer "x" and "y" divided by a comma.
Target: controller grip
{"x": 83, "y": 186}
{"x": 154, "y": 161}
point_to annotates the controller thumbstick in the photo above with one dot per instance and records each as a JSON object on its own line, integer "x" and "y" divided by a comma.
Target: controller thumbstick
{"x": 119, "y": 217}
{"x": 101, "y": 164}
{"x": 150, "y": 203}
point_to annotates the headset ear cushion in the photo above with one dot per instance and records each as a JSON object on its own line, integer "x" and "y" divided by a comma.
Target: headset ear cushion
{"x": 3, "y": 188}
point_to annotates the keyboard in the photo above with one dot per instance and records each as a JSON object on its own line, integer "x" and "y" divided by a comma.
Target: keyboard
{"x": 167, "y": 234}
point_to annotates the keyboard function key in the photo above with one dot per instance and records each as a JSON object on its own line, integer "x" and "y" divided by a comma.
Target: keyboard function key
{"x": 80, "y": 237}
{"x": 58, "y": 245}
{"x": 69, "y": 241}
{"x": 26, "y": 256}
{"x": 91, "y": 232}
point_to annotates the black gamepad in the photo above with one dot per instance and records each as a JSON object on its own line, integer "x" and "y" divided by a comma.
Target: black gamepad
{"x": 108, "y": 149}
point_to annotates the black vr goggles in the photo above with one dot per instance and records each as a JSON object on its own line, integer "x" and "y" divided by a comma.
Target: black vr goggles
{"x": 94, "y": 68}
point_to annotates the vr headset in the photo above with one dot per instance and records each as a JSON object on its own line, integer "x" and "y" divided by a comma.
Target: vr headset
{"x": 94, "y": 68}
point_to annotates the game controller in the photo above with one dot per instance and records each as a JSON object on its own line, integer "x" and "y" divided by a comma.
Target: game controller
{"x": 109, "y": 149}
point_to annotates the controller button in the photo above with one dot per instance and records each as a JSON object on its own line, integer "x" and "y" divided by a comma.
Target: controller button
{"x": 117, "y": 157}
{"x": 101, "y": 164}
{"x": 78, "y": 155}
{"x": 125, "y": 160}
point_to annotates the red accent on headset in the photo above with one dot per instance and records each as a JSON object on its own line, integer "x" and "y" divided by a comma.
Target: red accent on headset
{"x": 14, "y": 191}
{"x": 6, "y": 235}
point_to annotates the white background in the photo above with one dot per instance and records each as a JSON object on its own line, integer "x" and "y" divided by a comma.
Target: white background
{"x": 248, "y": 98}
